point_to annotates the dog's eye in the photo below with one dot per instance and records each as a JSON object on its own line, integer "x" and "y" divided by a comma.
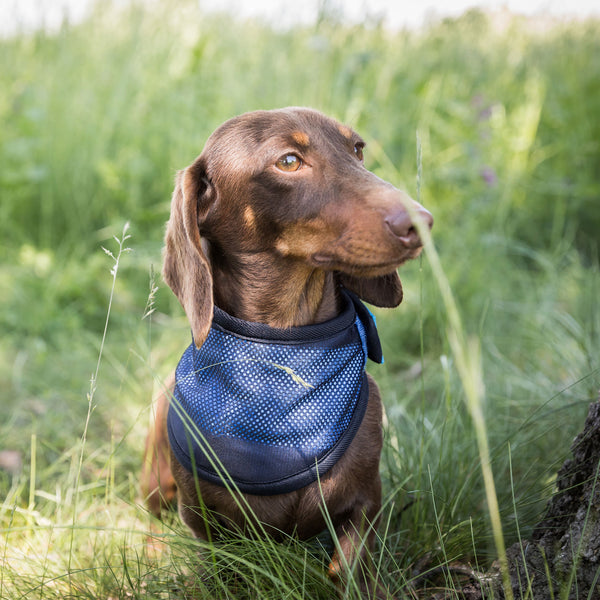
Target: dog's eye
{"x": 358, "y": 151}
{"x": 289, "y": 162}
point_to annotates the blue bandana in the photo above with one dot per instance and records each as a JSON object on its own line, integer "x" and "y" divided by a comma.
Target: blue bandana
{"x": 270, "y": 410}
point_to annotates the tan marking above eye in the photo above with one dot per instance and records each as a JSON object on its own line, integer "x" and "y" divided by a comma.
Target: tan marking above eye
{"x": 345, "y": 131}
{"x": 301, "y": 138}
{"x": 249, "y": 217}
{"x": 289, "y": 162}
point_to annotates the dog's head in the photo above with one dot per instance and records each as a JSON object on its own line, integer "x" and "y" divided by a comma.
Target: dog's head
{"x": 289, "y": 182}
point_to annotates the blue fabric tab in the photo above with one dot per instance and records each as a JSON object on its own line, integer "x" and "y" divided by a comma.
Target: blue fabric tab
{"x": 267, "y": 409}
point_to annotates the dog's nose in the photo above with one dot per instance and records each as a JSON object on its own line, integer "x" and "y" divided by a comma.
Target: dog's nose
{"x": 402, "y": 226}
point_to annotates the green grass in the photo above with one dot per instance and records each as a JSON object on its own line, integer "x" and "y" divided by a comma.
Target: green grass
{"x": 95, "y": 120}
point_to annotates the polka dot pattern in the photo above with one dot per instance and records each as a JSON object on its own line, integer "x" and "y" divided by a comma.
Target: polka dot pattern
{"x": 286, "y": 394}
{"x": 271, "y": 410}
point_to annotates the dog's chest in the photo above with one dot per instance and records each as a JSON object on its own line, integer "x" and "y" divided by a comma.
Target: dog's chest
{"x": 270, "y": 410}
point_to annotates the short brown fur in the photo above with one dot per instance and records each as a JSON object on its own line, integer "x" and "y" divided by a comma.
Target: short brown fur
{"x": 274, "y": 247}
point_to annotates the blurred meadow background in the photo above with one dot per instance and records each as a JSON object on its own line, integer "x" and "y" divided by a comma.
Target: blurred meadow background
{"x": 96, "y": 117}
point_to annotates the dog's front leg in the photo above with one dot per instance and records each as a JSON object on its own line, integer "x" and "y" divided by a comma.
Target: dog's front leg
{"x": 355, "y": 541}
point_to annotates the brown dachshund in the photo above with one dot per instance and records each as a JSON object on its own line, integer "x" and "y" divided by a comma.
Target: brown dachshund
{"x": 278, "y": 229}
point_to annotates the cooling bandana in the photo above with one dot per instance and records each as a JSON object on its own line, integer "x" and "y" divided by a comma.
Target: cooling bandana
{"x": 270, "y": 410}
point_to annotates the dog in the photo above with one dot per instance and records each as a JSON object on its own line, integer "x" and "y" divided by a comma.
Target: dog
{"x": 277, "y": 233}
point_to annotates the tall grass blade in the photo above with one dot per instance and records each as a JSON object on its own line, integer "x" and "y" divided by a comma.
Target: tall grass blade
{"x": 92, "y": 391}
{"x": 467, "y": 355}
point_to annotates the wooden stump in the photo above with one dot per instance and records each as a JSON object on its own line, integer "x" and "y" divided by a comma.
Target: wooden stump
{"x": 562, "y": 559}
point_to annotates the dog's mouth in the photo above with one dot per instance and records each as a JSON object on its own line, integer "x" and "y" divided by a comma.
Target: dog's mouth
{"x": 368, "y": 269}
{"x": 322, "y": 259}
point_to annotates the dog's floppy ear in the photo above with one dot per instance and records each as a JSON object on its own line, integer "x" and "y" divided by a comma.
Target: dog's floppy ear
{"x": 185, "y": 267}
{"x": 384, "y": 291}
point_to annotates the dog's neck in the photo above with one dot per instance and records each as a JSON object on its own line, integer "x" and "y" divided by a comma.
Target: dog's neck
{"x": 292, "y": 295}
